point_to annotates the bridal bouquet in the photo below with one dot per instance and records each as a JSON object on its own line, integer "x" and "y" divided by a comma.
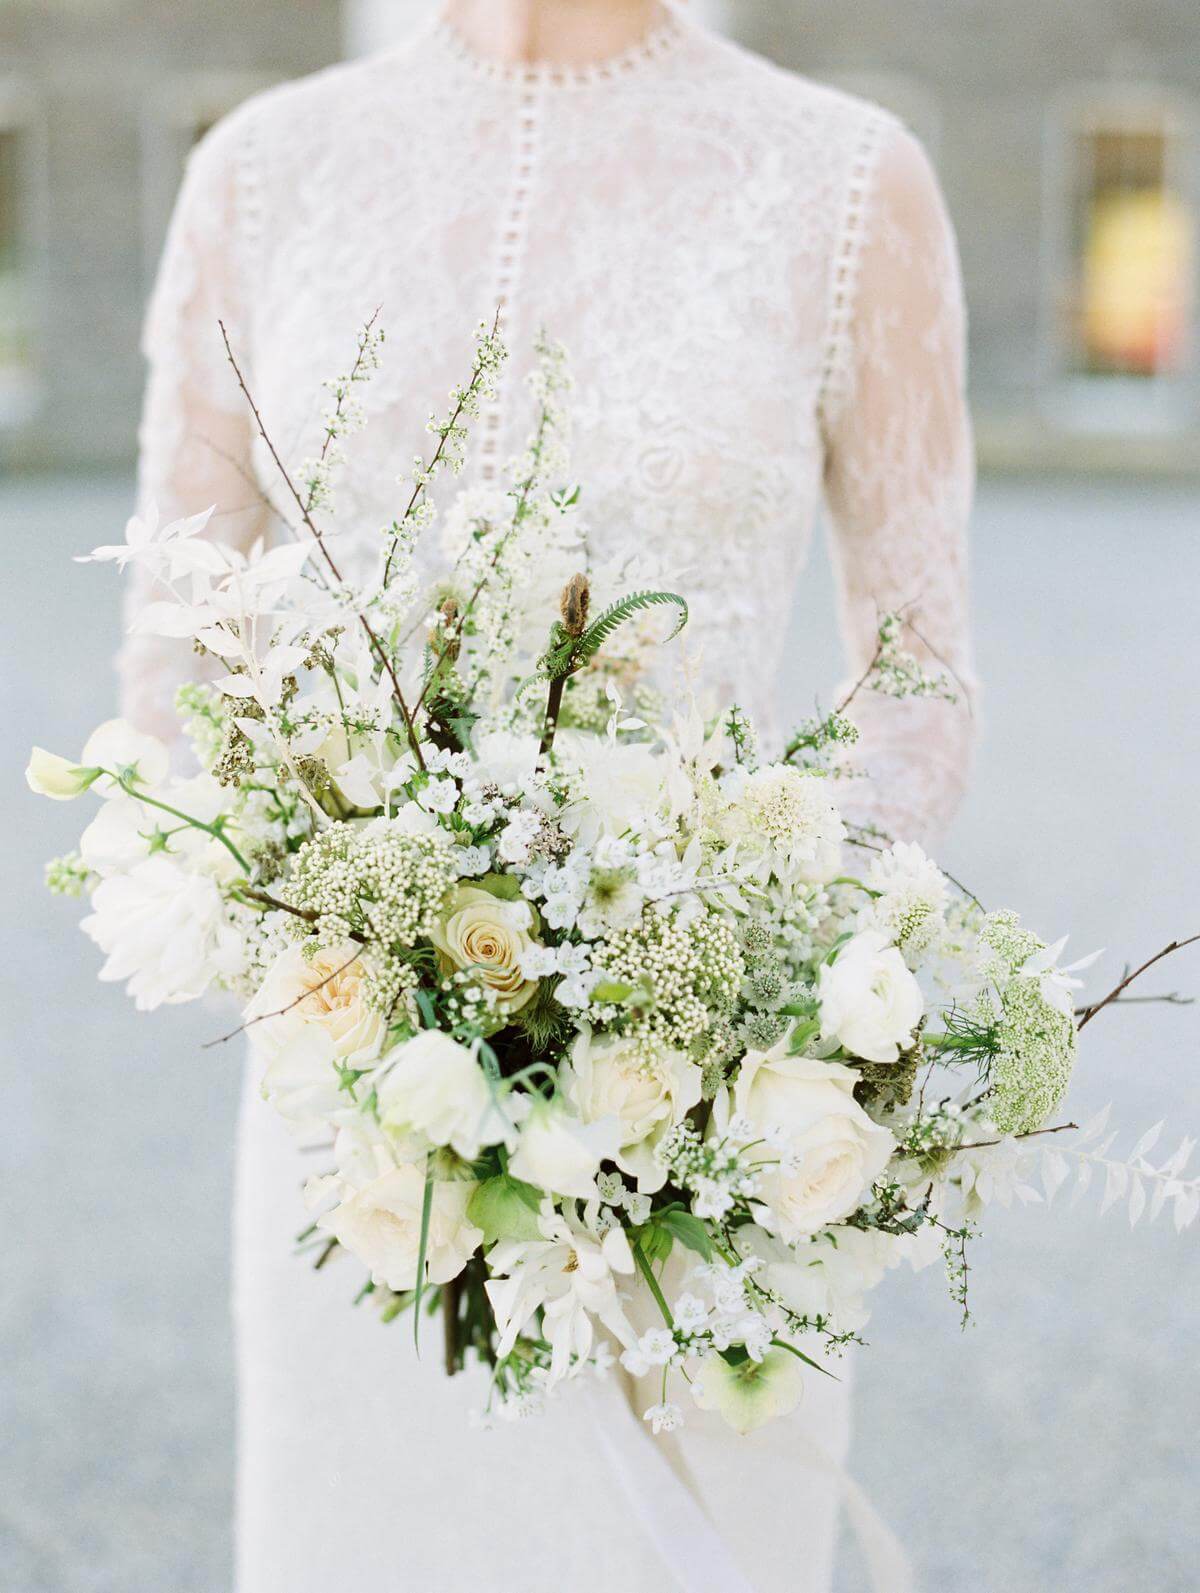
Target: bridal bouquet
{"x": 618, "y": 1040}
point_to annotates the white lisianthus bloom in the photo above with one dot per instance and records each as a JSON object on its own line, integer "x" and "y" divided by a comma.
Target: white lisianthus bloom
{"x": 785, "y": 818}
{"x": 58, "y": 778}
{"x": 571, "y": 1275}
{"x": 562, "y": 1154}
{"x": 489, "y": 936}
{"x": 751, "y": 1393}
{"x": 435, "y": 1087}
{"x": 117, "y": 747}
{"x": 308, "y": 1018}
{"x": 869, "y": 1001}
{"x": 910, "y": 907}
{"x": 825, "y": 1153}
{"x": 165, "y": 930}
{"x": 608, "y": 1078}
{"x": 380, "y": 1223}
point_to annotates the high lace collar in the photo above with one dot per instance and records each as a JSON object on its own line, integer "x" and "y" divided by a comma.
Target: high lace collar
{"x": 659, "y": 41}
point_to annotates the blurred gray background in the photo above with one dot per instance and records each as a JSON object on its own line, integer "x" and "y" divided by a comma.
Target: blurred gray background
{"x": 1051, "y": 1447}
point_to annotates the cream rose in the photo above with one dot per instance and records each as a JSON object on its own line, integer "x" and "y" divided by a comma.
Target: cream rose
{"x": 826, "y": 1153}
{"x": 488, "y": 935}
{"x": 609, "y": 1079}
{"x": 870, "y": 1002}
{"x": 308, "y": 1018}
{"x": 380, "y": 1223}
{"x": 435, "y": 1087}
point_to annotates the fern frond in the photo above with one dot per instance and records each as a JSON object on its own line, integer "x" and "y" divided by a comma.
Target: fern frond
{"x": 601, "y": 629}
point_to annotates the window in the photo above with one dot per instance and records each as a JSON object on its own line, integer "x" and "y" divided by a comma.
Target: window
{"x": 185, "y": 108}
{"x": 1121, "y": 224}
{"x": 21, "y": 183}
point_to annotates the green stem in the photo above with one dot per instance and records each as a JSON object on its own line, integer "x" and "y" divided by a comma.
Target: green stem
{"x": 217, "y": 833}
{"x": 647, "y": 1272}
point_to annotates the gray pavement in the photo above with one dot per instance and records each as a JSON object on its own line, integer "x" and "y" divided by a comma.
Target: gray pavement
{"x": 1050, "y": 1449}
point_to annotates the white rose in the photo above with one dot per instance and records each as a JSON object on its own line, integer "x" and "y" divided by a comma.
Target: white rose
{"x": 561, "y": 1153}
{"x": 380, "y": 1223}
{"x": 833, "y": 1152}
{"x": 490, "y": 936}
{"x": 436, "y": 1087}
{"x": 165, "y": 930}
{"x": 870, "y": 1002}
{"x": 308, "y": 1017}
{"x": 608, "y": 1078}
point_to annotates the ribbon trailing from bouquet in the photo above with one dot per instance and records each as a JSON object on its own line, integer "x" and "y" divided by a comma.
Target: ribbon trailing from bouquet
{"x": 693, "y": 1552}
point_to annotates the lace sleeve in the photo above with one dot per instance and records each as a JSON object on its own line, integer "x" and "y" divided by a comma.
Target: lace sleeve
{"x": 899, "y": 477}
{"x": 195, "y": 436}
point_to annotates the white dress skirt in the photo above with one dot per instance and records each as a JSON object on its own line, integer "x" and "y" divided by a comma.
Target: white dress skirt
{"x": 758, "y": 286}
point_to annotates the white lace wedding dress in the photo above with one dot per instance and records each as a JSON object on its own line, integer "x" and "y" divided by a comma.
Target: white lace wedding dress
{"x": 758, "y": 286}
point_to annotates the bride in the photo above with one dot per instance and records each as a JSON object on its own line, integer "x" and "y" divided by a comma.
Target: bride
{"x": 758, "y": 286}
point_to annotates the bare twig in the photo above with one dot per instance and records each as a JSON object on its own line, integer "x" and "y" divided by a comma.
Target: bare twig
{"x": 310, "y": 524}
{"x": 1171, "y": 999}
{"x": 282, "y": 1012}
{"x": 985, "y": 1144}
{"x": 1118, "y": 990}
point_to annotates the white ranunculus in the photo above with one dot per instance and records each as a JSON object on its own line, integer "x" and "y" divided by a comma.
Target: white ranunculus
{"x": 608, "y": 1078}
{"x": 435, "y": 1087}
{"x": 165, "y": 931}
{"x": 562, "y": 1154}
{"x": 825, "y": 1152}
{"x": 58, "y": 778}
{"x": 117, "y": 746}
{"x": 870, "y": 1002}
{"x": 308, "y": 1017}
{"x": 489, "y": 936}
{"x": 380, "y": 1223}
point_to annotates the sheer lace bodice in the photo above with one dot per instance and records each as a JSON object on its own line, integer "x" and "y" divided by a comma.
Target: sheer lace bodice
{"x": 754, "y": 276}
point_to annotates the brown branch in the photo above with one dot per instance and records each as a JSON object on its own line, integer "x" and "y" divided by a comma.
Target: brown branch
{"x": 311, "y": 525}
{"x": 985, "y": 1144}
{"x": 1118, "y": 990}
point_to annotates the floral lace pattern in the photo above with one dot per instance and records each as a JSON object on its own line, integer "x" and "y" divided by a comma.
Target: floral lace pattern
{"x": 755, "y": 277}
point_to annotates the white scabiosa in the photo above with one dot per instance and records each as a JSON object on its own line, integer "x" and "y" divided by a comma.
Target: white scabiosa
{"x": 785, "y": 818}
{"x": 910, "y": 900}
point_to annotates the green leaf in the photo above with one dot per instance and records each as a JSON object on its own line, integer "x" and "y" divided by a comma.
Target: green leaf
{"x": 426, "y": 1213}
{"x": 654, "y": 1241}
{"x": 614, "y": 990}
{"x": 689, "y": 1230}
{"x": 505, "y": 1208}
{"x": 506, "y": 886}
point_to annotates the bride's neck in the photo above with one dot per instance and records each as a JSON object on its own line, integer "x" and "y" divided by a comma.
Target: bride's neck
{"x": 559, "y": 32}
